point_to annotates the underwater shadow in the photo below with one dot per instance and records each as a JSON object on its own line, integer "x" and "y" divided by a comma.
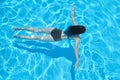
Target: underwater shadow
{"x": 50, "y": 50}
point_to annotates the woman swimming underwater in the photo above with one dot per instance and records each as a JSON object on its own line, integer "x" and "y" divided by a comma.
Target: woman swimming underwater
{"x": 72, "y": 32}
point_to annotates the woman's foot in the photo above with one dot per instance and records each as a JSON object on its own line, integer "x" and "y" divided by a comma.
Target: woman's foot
{"x": 14, "y": 29}
{"x": 16, "y": 36}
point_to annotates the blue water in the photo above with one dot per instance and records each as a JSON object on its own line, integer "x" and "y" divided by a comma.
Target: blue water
{"x": 99, "y": 49}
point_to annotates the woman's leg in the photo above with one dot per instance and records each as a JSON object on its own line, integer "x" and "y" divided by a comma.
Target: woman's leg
{"x": 43, "y": 38}
{"x": 43, "y": 30}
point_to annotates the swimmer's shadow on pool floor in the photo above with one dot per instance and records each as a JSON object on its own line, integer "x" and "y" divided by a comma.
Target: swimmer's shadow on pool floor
{"x": 52, "y": 51}
{"x": 48, "y": 49}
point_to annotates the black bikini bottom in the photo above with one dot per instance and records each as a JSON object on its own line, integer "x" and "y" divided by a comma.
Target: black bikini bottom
{"x": 56, "y": 34}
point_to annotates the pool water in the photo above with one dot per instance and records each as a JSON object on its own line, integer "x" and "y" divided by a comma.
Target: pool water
{"x": 99, "y": 47}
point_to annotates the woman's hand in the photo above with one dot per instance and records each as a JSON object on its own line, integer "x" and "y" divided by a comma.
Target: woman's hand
{"x": 72, "y": 14}
{"x": 76, "y": 64}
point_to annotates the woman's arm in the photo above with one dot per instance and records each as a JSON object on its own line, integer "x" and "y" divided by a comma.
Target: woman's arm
{"x": 77, "y": 40}
{"x": 72, "y": 16}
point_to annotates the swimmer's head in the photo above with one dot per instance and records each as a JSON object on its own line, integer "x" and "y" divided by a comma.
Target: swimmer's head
{"x": 75, "y": 30}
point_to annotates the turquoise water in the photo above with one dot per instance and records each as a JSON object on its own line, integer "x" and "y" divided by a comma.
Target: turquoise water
{"x": 99, "y": 49}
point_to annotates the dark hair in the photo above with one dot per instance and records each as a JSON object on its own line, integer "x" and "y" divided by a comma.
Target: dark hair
{"x": 75, "y": 30}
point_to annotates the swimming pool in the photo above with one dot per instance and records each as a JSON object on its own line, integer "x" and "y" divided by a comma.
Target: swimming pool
{"x": 99, "y": 49}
